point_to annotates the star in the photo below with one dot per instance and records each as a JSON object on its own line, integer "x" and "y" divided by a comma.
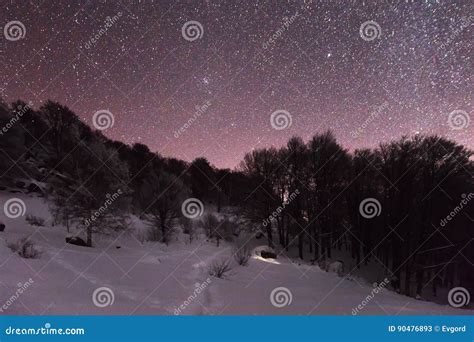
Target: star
{"x": 306, "y": 58}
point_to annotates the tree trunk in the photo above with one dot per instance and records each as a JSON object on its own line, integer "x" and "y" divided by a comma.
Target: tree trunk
{"x": 281, "y": 237}
{"x": 89, "y": 236}
{"x": 419, "y": 281}
{"x": 163, "y": 233}
{"x": 407, "y": 278}
{"x": 300, "y": 245}
{"x": 270, "y": 235}
{"x": 434, "y": 282}
{"x": 396, "y": 264}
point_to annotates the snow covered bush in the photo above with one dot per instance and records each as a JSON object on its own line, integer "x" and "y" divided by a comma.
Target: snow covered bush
{"x": 220, "y": 269}
{"x": 242, "y": 252}
{"x": 35, "y": 220}
{"x": 25, "y": 248}
{"x": 242, "y": 256}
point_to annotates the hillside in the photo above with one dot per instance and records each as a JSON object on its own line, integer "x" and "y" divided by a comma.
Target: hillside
{"x": 155, "y": 279}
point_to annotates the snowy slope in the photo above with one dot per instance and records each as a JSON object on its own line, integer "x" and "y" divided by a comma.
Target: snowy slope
{"x": 154, "y": 279}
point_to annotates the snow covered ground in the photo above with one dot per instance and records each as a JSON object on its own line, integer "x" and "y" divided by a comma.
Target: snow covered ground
{"x": 153, "y": 279}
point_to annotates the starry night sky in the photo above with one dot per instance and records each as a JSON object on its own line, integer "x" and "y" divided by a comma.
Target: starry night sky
{"x": 317, "y": 67}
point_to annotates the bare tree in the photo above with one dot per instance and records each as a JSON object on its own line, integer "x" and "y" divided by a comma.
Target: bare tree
{"x": 161, "y": 196}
